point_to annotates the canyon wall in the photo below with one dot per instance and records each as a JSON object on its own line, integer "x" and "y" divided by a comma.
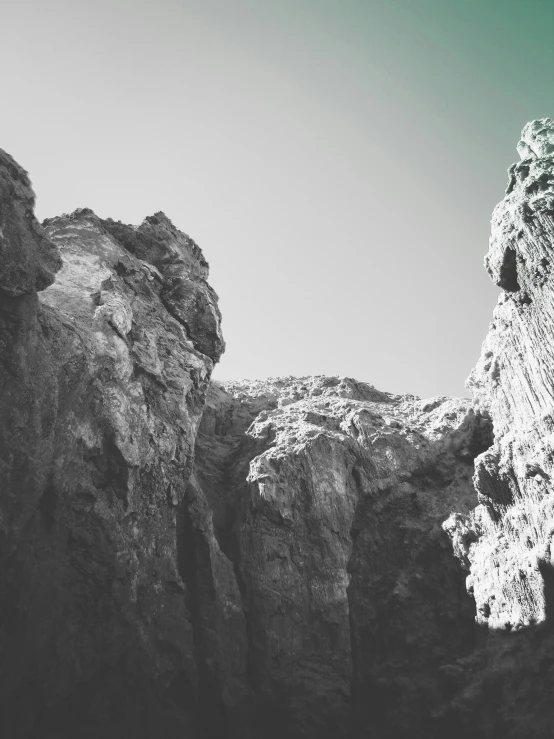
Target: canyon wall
{"x": 304, "y": 557}
{"x": 514, "y": 383}
{"x": 507, "y": 539}
{"x": 328, "y": 497}
{"x": 104, "y": 367}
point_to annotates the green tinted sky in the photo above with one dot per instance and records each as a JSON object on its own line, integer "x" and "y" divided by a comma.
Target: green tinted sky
{"x": 338, "y": 162}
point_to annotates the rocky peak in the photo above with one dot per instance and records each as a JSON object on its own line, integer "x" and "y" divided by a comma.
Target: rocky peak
{"x": 172, "y": 264}
{"x": 328, "y": 498}
{"x": 520, "y": 251}
{"x": 537, "y": 139}
{"x": 158, "y": 241}
{"x": 28, "y": 261}
{"x": 103, "y": 378}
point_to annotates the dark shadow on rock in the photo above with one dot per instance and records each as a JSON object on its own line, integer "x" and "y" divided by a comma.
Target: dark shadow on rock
{"x": 405, "y": 654}
{"x": 507, "y": 682}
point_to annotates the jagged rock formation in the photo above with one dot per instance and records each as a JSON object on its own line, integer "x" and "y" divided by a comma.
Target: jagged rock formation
{"x": 508, "y": 538}
{"x": 514, "y": 382}
{"x": 328, "y": 497}
{"x": 249, "y": 560}
{"x": 103, "y": 376}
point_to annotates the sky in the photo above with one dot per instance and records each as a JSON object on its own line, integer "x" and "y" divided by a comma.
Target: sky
{"x": 336, "y": 160}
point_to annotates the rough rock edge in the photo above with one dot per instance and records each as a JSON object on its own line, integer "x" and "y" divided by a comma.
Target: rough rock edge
{"x": 512, "y": 382}
{"x": 102, "y": 389}
{"x": 297, "y": 472}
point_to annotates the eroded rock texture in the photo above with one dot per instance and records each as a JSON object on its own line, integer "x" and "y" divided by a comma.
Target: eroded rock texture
{"x": 253, "y": 560}
{"x": 328, "y": 498}
{"x": 105, "y": 357}
{"x": 514, "y": 383}
{"x": 507, "y": 540}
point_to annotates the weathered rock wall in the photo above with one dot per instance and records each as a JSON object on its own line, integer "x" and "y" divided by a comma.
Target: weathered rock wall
{"x": 103, "y": 375}
{"x": 328, "y": 498}
{"x": 298, "y": 557}
{"x": 297, "y": 581}
{"x": 507, "y": 541}
{"x": 514, "y": 383}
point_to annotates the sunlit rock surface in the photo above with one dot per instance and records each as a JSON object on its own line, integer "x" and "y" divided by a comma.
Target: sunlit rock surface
{"x": 103, "y": 376}
{"x": 506, "y": 542}
{"x": 514, "y": 382}
{"x": 301, "y": 557}
{"x": 328, "y": 497}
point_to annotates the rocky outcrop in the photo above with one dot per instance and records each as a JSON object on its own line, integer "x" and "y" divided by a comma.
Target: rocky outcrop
{"x": 302, "y": 557}
{"x": 514, "y": 383}
{"x": 509, "y": 536}
{"x": 105, "y": 358}
{"x": 328, "y": 498}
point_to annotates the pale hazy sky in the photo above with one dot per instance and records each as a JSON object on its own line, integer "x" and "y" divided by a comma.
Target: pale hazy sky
{"x": 336, "y": 160}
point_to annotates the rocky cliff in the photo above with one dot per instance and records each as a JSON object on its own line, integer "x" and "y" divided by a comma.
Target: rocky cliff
{"x": 509, "y": 559}
{"x": 514, "y": 383}
{"x": 328, "y": 498}
{"x": 304, "y": 557}
{"x": 105, "y": 358}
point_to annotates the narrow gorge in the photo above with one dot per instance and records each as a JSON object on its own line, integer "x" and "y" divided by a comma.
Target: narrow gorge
{"x": 310, "y": 557}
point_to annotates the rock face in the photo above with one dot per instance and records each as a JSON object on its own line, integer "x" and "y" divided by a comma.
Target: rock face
{"x": 509, "y": 548}
{"x": 251, "y": 560}
{"x": 328, "y": 497}
{"x": 103, "y": 376}
{"x": 514, "y": 383}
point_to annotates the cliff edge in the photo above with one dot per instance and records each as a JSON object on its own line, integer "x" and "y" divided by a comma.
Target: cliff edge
{"x": 108, "y": 337}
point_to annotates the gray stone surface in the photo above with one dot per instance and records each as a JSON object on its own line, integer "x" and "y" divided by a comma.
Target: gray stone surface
{"x": 329, "y": 496}
{"x": 514, "y": 383}
{"x": 506, "y": 542}
{"x": 102, "y": 386}
{"x": 302, "y": 557}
